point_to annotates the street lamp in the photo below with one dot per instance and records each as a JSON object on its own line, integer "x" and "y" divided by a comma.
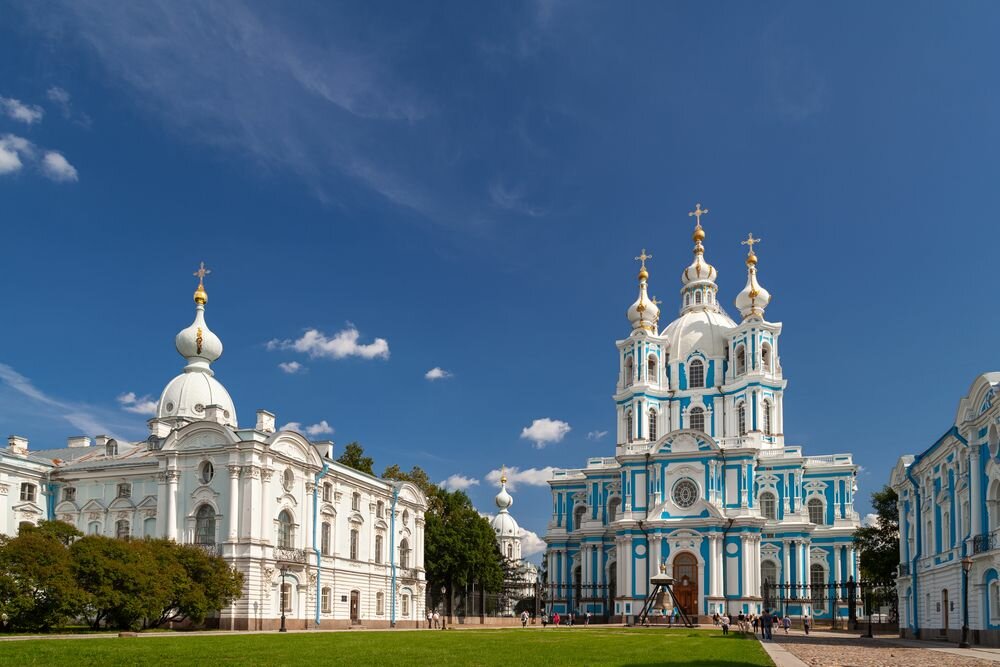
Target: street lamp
{"x": 444, "y": 599}
{"x": 966, "y": 567}
{"x": 284, "y": 571}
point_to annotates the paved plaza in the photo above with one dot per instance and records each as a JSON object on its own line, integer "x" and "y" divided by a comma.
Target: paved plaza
{"x": 828, "y": 649}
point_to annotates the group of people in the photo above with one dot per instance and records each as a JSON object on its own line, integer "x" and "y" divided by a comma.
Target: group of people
{"x": 762, "y": 623}
{"x": 568, "y": 620}
{"x": 434, "y": 620}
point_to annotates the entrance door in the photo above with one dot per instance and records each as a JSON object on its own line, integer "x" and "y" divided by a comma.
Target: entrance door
{"x": 355, "y": 606}
{"x": 686, "y": 582}
{"x": 944, "y": 609}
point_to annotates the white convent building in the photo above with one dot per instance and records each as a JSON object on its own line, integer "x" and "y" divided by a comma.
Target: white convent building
{"x": 702, "y": 480}
{"x": 334, "y": 546}
{"x": 508, "y": 535}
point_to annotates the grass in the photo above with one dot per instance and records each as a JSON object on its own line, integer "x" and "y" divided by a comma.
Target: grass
{"x": 507, "y": 647}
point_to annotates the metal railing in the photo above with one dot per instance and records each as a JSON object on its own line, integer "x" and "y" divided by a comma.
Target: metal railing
{"x": 985, "y": 542}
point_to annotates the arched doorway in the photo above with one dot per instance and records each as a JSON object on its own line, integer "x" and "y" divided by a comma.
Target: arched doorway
{"x": 686, "y": 582}
{"x": 355, "y": 607}
{"x": 576, "y": 604}
{"x": 612, "y": 586}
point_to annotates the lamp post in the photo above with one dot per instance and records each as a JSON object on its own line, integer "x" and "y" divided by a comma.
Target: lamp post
{"x": 444, "y": 595}
{"x": 284, "y": 571}
{"x": 966, "y": 568}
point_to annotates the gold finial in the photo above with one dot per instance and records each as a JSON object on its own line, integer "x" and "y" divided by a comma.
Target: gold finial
{"x": 699, "y": 233}
{"x": 200, "y": 295}
{"x": 503, "y": 474}
{"x": 751, "y": 257}
{"x": 643, "y": 274}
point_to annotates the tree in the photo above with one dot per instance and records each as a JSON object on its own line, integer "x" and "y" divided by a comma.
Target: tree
{"x": 125, "y": 584}
{"x": 37, "y": 589}
{"x": 418, "y": 477}
{"x": 201, "y": 583}
{"x": 354, "y": 457}
{"x": 878, "y": 543}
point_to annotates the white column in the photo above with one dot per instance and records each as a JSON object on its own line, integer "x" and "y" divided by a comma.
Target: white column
{"x": 713, "y": 559}
{"x": 234, "y": 490}
{"x": 744, "y": 570}
{"x": 172, "y": 477}
{"x": 975, "y": 501}
{"x": 807, "y": 568}
{"x": 850, "y": 562}
{"x": 788, "y": 492}
{"x": 840, "y": 567}
{"x": 266, "y": 520}
{"x": 755, "y": 565}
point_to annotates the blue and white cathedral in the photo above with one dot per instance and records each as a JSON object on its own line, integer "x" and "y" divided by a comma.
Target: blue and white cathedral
{"x": 701, "y": 480}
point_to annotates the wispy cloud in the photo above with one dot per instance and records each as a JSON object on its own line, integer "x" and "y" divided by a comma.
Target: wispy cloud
{"x": 437, "y": 373}
{"x": 62, "y": 99}
{"x": 528, "y": 476}
{"x": 545, "y": 431}
{"x": 58, "y": 168}
{"x": 596, "y": 435}
{"x": 292, "y": 367}
{"x": 19, "y": 111}
{"x": 313, "y": 430}
{"x": 458, "y": 482}
{"x": 338, "y": 346}
{"x": 140, "y": 405}
{"x": 512, "y": 199}
{"x": 16, "y": 152}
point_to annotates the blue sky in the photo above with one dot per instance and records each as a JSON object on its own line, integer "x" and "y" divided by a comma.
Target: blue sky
{"x": 469, "y": 182}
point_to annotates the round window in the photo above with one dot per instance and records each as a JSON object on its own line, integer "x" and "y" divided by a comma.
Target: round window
{"x": 207, "y": 472}
{"x": 685, "y": 493}
{"x": 287, "y": 479}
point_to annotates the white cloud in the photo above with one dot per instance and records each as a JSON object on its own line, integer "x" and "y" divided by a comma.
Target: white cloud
{"x": 596, "y": 435}
{"x": 531, "y": 543}
{"x": 18, "y": 110}
{"x": 291, "y": 367}
{"x": 313, "y": 430}
{"x": 458, "y": 482}
{"x": 342, "y": 344}
{"x": 545, "y": 431}
{"x": 528, "y": 477}
{"x": 140, "y": 405}
{"x": 437, "y": 373}
{"x": 58, "y": 168}
{"x": 58, "y": 95}
{"x": 870, "y": 520}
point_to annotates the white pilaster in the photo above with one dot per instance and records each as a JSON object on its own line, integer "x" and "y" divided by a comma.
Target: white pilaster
{"x": 974, "y": 491}
{"x": 172, "y": 477}
{"x": 234, "y": 487}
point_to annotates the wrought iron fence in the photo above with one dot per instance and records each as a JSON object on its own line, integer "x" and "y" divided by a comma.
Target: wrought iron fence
{"x": 847, "y": 603}
{"x": 986, "y": 542}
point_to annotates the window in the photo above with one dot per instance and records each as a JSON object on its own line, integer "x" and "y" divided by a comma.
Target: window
{"x": 149, "y": 527}
{"x": 325, "y": 532}
{"x": 817, "y": 579}
{"x": 994, "y": 602}
{"x": 354, "y": 543}
{"x": 406, "y": 604}
{"x": 651, "y": 369}
{"x": 815, "y": 506}
{"x": 379, "y": 603}
{"x": 404, "y": 553}
{"x": 768, "y": 572}
{"x": 629, "y": 372}
{"x": 696, "y": 374}
{"x": 379, "y": 509}
{"x": 510, "y": 551}
{"x": 207, "y": 472}
{"x": 327, "y": 492}
{"x": 687, "y": 299}
{"x": 356, "y": 501}
{"x": 628, "y": 425}
{"x": 697, "y": 419}
{"x": 685, "y": 493}
{"x": 966, "y": 518}
{"x": 697, "y": 297}
{"x": 378, "y": 548}
{"x": 69, "y": 494}
{"x": 122, "y": 529}
{"x": 945, "y": 531}
{"x": 94, "y": 528}
{"x": 741, "y": 360}
{"x": 768, "y": 506}
{"x": 325, "y": 600}
{"x": 766, "y": 409}
{"x": 741, "y": 418}
{"x": 204, "y": 525}
{"x": 765, "y": 358}
{"x": 287, "y": 479}
{"x": 111, "y": 448}
{"x": 125, "y": 490}
{"x": 578, "y": 515}
{"x": 652, "y": 424}
{"x": 286, "y": 597}
{"x": 406, "y": 517}
{"x": 28, "y": 492}
{"x": 285, "y": 530}
{"x": 613, "y": 506}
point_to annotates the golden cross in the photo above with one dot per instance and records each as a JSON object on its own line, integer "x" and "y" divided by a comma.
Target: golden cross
{"x": 643, "y": 257}
{"x": 656, "y": 301}
{"x": 750, "y": 242}
{"x": 697, "y": 213}
{"x": 201, "y": 273}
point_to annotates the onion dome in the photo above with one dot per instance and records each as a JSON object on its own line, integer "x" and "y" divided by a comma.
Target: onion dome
{"x": 188, "y": 394}
{"x": 644, "y": 313}
{"x": 503, "y": 499}
{"x": 504, "y": 524}
{"x": 753, "y": 299}
{"x": 698, "y": 280}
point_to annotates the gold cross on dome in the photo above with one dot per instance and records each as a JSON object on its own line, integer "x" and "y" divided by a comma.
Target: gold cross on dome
{"x": 697, "y": 213}
{"x": 202, "y": 272}
{"x": 750, "y": 242}
{"x": 656, "y": 301}
{"x": 643, "y": 257}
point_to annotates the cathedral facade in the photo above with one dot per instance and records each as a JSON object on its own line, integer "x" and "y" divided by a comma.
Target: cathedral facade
{"x": 316, "y": 540}
{"x": 701, "y": 480}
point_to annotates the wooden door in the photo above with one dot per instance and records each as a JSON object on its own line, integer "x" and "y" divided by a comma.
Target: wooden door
{"x": 686, "y": 582}
{"x": 355, "y": 604}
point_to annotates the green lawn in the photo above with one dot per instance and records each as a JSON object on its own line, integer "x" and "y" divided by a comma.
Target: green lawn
{"x": 508, "y": 647}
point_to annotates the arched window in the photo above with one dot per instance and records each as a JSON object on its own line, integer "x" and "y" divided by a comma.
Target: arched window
{"x": 578, "y": 514}
{"x": 406, "y": 517}
{"x": 687, "y": 299}
{"x": 510, "y": 551}
{"x": 327, "y": 492}
{"x": 69, "y": 494}
{"x": 696, "y": 374}
{"x": 992, "y": 507}
{"x": 325, "y": 600}
{"x": 404, "y": 553}
{"x": 628, "y": 425}
{"x": 379, "y": 509}
{"x": 629, "y": 372}
{"x": 326, "y": 533}
{"x": 697, "y": 419}
{"x": 356, "y": 501}
{"x": 652, "y": 424}
{"x": 122, "y": 529}
{"x": 708, "y": 296}
{"x": 817, "y": 579}
{"x": 354, "y": 543}
{"x": 768, "y": 506}
{"x": 766, "y": 409}
{"x": 765, "y": 357}
{"x": 741, "y": 360}
{"x": 94, "y": 528}
{"x": 286, "y": 596}
{"x": 111, "y": 448}
{"x": 405, "y": 604}
{"x": 651, "y": 368}
{"x": 815, "y": 507}
{"x": 379, "y": 603}
{"x": 697, "y": 297}
{"x": 204, "y": 525}
{"x": 285, "y": 530}
{"x": 945, "y": 531}
{"x": 613, "y": 506}
{"x": 378, "y": 548}
{"x": 741, "y": 418}
{"x": 768, "y": 572}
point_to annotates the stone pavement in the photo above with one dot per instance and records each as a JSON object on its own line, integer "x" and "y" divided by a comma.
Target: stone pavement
{"x": 830, "y": 649}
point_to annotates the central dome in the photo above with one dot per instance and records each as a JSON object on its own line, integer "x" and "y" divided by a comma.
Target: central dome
{"x": 702, "y": 331}
{"x": 189, "y": 393}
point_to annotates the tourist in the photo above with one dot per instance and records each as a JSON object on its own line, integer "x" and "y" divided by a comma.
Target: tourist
{"x": 587, "y": 619}
{"x": 741, "y": 622}
{"x": 805, "y": 623}
{"x": 786, "y": 623}
{"x": 545, "y": 620}
{"x": 555, "y": 619}
{"x": 437, "y": 619}
{"x": 725, "y": 624}
{"x": 755, "y": 622}
{"x": 524, "y": 618}
{"x": 715, "y": 618}
{"x": 766, "y": 622}
{"x": 430, "y": 619}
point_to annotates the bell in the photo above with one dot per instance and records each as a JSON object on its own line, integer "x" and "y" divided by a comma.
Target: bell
{"x": 662, "y": 601}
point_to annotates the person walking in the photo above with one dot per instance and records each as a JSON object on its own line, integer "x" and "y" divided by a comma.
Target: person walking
{"x": 805, "y": 623}
{"x": 766, "y": 622}
{"x": 545, "y": 620}
{"x": 786, "y": 623}
{"x": 715, "y": 619}
{"x": 437, "y": 620}
{"x": 555, "y": 619}
{"x": 430, "y": 619}
{"x": 586, "y": 620}
{"x": 725, "y": 624}
{"x": 755, "y": 622}
{"x": 524, "y": 619}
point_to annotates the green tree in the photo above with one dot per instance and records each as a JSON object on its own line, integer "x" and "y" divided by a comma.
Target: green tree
{"x": 37, "y": 588}
{"x": 126, "y": 582}
{"x": 878, "y": 543}
{"x": 418, "y": 477}
{"x": 354, "y": 457}
{"x": 201, "y": 583}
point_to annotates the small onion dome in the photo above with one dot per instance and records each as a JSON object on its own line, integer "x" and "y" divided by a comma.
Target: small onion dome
{"x": 699, "y": 271}
{"x": 504, "y": 499}
{"x": 752, "y": 301}
{"x": 197, "y": 343}
{"x": 644, "y": 313}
